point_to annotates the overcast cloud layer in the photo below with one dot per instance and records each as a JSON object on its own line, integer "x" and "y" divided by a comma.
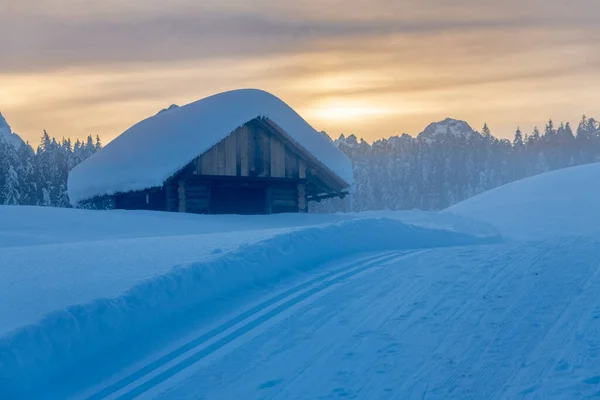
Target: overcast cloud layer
{"x": 375, "y": 68}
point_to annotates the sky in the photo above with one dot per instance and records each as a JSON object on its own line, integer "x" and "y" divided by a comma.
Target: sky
{"x": 375, "y": 68}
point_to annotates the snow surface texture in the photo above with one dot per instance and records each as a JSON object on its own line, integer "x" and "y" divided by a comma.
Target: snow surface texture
{"x": 509, "y": 321}
{"x": 49, "y": 344}
{"x": 7, "y": 134}
{"x": 33, "y": 226}
{"x": 555, "y": 204}
{"x": 152, "y": 151}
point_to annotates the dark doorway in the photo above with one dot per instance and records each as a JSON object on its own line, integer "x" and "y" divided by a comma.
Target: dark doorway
{"x": 237, "y": 200}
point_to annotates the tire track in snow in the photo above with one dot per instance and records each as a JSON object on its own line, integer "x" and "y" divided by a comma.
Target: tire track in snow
{"x": 152, "y": 374}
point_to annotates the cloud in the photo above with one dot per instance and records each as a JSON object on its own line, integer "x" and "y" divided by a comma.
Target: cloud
{"x": 59, "y": 34}
{"x": 77, "y": 67}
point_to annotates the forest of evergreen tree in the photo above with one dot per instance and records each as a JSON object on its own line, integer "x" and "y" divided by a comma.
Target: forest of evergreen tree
{"x": 29, "y": 177}
{"x": 445, "y": 164}
{"x": 432, "y": 172}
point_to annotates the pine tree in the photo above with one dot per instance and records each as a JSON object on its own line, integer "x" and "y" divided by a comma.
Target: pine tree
{"x": 549, "y": 132}
{"x": 12, "y": 196}
{"x": 486, "y": 131}
{"x": 518, "y": 141}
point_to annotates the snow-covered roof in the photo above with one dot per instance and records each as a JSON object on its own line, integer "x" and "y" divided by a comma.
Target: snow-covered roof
{"x": 153, "y": 150}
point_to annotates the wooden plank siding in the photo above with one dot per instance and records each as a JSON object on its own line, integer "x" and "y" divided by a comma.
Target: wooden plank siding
{"x": 181, "y": 195}
{"x": 197, "y": 198}
{"x": 171, "y": 189}
{"x": 151, "y": 199}
{"x": 251, "y": 151}
{"x": 264, "y": 154}
{"x": 245, "y": 150}
{"x": 284, "y": 198}
{"x": 230, "y": 155}
{"x": 291, "y": 164}
{"x": 278, "y": 156}
{"x": 301, "y": 169}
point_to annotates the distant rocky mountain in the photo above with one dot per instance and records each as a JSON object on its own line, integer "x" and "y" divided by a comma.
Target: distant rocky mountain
{"x": 7, "y": 134}
{"x": 436, "y": 131}
{"x": 448, "y": 126}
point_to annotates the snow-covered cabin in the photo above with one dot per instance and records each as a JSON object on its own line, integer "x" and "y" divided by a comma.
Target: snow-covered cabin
{"x": 238, "y": 152}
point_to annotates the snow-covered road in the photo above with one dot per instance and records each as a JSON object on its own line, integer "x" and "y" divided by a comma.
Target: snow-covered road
{"x": 496, "y": 321}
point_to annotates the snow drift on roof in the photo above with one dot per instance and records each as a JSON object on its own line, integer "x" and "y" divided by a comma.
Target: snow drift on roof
{"x": 153, "y": 150}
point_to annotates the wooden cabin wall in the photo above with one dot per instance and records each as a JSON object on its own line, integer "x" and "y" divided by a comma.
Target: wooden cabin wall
{"x": 284, "y": 198}
{"x": 197, "y": 197}
{"x": 172, "y": 196}
{"x": 256, "y": 169}
{"x": 193, "y": 196}
{"x": 151, "y": 199}
{"x": 98, "y": 203}
{"x": 251, "y": 151}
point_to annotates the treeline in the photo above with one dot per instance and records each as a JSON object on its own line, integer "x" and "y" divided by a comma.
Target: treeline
{"x": 450, "y": 162}
{"x": 446, "y": 163}
{"x": 39, "y": 177}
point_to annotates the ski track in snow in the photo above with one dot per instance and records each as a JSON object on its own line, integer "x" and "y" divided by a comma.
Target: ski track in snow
{"x": 187, "y": 355}
{"x": 479, "y": 322}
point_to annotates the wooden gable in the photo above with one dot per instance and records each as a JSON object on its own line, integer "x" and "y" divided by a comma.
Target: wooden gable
{"x": 258, "y": 168}
{"x": 260, "y": 149}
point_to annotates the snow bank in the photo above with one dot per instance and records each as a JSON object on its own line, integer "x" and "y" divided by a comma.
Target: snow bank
{"x": 152, "y": 151}
{"x": 430, "y": 219}
{"x": 32, "y": 226}
{"x": 36, "y": 353}
{"x": 555, "y": 204}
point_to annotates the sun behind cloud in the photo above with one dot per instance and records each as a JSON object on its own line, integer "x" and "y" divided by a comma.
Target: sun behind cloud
{"x": 347, "y": 110}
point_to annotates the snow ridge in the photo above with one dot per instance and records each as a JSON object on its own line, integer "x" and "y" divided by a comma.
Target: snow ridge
{"x": 35, "y": 354}
{"x": 554, "y": 204}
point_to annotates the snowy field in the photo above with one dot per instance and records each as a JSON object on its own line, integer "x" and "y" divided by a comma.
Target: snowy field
{"x": 556, "y": 204}
{"x": 495, "y": 297}
{"x": 74, "y": 279}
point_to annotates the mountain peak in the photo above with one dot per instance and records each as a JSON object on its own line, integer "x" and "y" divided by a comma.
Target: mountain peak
{"x": 3, "y": 123}
{"x": 449, "y": 126}
{"x": 171, "y": 107}
{"x": 7, "y": 135}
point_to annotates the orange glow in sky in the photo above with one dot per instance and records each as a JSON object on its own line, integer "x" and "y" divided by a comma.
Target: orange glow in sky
{"x": 372, "y": 68}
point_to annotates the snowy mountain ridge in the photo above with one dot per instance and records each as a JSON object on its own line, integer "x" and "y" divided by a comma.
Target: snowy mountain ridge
{"x": 7, "y": 134}
{"x": 449, "y": 126}
{"x": 439, "y": 129}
